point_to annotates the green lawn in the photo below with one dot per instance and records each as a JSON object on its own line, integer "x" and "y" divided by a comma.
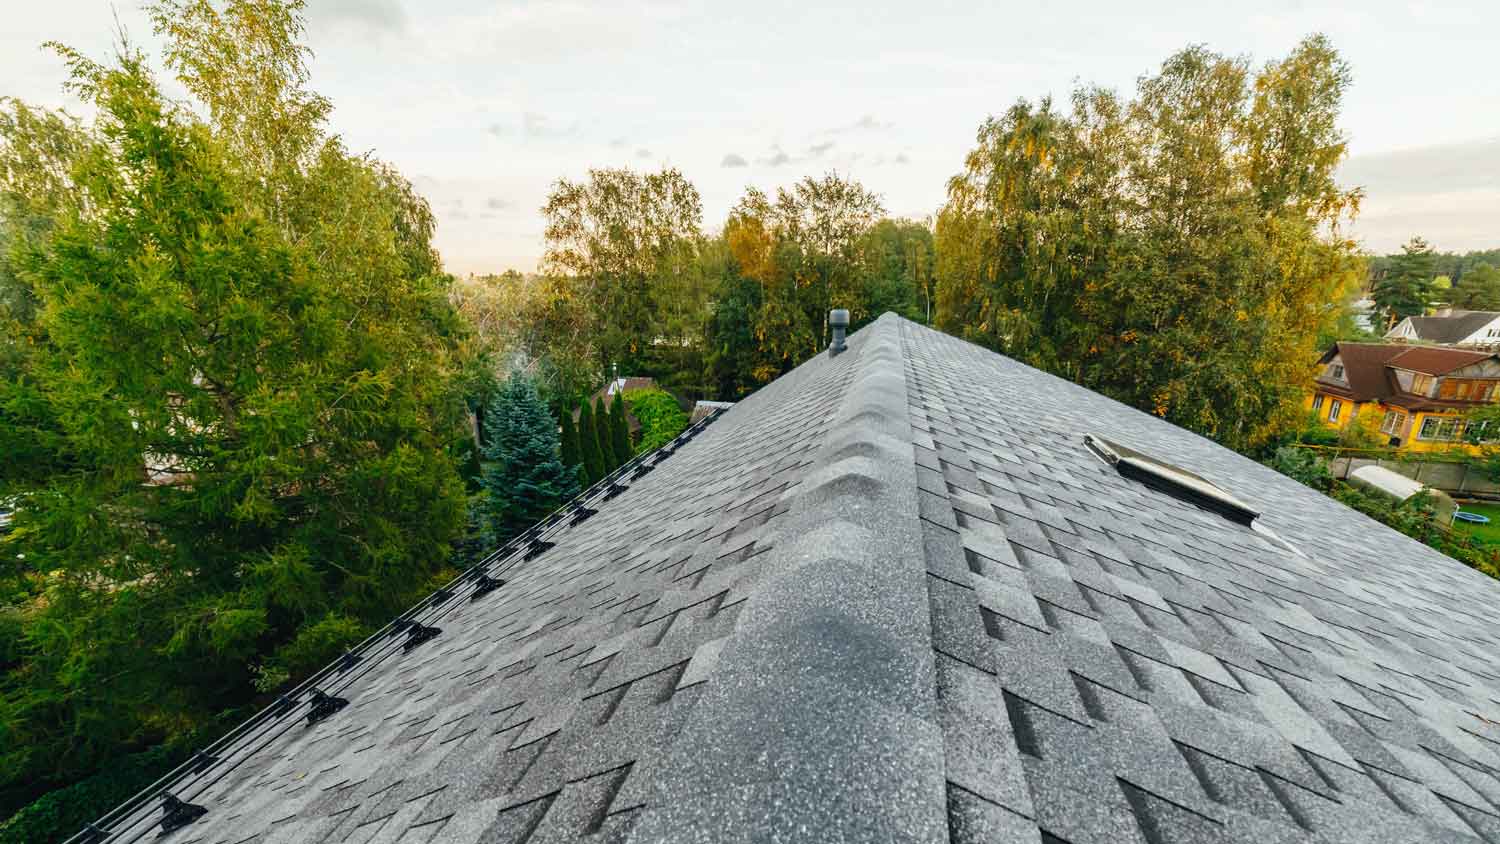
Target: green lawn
{"x": 1489, "y": 533}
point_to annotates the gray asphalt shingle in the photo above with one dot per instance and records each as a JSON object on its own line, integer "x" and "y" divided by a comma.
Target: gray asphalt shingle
{"x": 892, "y": 596}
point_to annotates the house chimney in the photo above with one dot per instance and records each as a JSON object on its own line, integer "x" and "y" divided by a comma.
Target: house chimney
{"x": 838, "y": 320}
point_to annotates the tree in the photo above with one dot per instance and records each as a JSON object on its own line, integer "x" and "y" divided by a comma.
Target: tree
{"x": 660, "y": 416}
{"x": 525, "y": 478}
{"x": 606, "y": 436}
{"x": 1479, "y": 289}
{"x": 619, "y": 428}
{"x": 1180, "y": 251}
{"x": 588, "y": 439}
{"x": 628, "y": 243}
{"x": 231, "y": 354}
{"x": 1406, "y": 290}
{"x": 571, "y": 451}
{"x": 896, "y": 259}
{"x": 734, "y": 356}
{"x": 803, "y": 250}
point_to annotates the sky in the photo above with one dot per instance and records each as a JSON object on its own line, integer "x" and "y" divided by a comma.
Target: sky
{"x": 484, "y": 105}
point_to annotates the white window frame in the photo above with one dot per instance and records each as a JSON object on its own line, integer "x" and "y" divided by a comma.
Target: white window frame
{"x": 1337, "y": 370}
{"x": 1334, "y": 407}
{"x": 1444, "y": 429}
{"x": 1392, "y": 422}
{"x": 1317, "y": 402}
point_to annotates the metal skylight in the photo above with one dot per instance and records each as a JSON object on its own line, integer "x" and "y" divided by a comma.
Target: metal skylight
{"x": 1172, "y": 480}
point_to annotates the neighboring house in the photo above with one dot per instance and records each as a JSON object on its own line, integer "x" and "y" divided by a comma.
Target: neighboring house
{"x": 1472, "y": 329}
{"x": 704, "y": 408}
{"x": 894, "y": 596}
{"x": 1419, "y": 393}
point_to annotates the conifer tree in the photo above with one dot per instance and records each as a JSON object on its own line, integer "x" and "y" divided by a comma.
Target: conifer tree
{"x": 525, "y": 478}
{"x": 571, "y": 456}
{"x": 619, "y": 429}
{"x": 588, "y": 444}
{"x": 606, "y": 441}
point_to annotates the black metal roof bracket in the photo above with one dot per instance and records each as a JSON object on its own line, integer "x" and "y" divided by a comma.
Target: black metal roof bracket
{"x": 323, "y": 705}
{"x": 177, "y": 814}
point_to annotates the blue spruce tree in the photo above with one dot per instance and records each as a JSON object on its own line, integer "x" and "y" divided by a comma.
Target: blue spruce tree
{"x": 524, "y": 478}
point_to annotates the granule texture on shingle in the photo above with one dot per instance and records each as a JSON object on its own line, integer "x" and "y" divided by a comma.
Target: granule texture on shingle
{"x": 891, "y": 596}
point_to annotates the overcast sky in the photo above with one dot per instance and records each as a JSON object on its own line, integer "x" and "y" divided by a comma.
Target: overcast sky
{"x": 484, "y": 104}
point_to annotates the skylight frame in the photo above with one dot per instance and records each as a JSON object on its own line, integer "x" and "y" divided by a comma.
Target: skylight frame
{"x": 1175, "y": 481}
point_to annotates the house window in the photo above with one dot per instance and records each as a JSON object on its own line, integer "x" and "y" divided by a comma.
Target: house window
{"x": 1482, "y": 434}
{"x": 1441, "y": 429}
{"x": 1337, "y": 371}
{"x": 1392, "y": 422}
{"x": 1317, "y": 402}
{"x": 1421, "y": 384}
{"x": 1333, "y": 410}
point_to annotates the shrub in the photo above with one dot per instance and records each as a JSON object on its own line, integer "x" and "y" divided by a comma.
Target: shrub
{"x": 660, "y": 416}
{"x": 58, "y": 814}
{"x": 1303, "y": 466}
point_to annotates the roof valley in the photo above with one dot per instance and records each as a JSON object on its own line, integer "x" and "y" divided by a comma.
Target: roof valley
{"x": 822, "y": 710}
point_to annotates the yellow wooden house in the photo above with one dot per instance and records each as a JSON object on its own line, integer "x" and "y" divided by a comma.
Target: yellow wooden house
{"x": 1419, "y": 394}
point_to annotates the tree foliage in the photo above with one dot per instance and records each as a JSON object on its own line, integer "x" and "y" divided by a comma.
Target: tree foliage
{"x": 660, "y": 416}
{"x": 1179, "y": 250}
{"x": 626, "y": 242}
{"x": 1407, "y": 288}
{"x": 1479, "y": 289}
{"x": 606, "y": 436}
{"x": 619, "y": 427}
{"x": 588, "y": 438}
{"x": 570, "y": 452}
{"x": 525, "y": 477}
{"x": 229, "y": 350}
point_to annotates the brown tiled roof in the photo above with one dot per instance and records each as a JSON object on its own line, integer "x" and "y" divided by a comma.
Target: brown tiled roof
{"x": 1364, "y": 369}
{"x": 1436, "y": 360}
{"x": 1367, "y": 368}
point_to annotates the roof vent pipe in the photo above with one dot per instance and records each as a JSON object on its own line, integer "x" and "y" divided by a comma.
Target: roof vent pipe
{"x": 838, "y": 320}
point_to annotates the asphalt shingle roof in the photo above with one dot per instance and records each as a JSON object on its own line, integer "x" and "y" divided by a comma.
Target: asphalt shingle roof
{"x": 892, "y": 597}
{"x": 1452, "y": 328}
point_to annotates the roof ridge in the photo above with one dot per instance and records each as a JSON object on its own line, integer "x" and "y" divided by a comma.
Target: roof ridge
{"x": 822, "y": 709}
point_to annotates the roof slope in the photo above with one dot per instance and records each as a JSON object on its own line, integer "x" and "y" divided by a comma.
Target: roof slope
{"x": 1452, "y": 328}
{"x": 1364, "y": 369}
{"x": 1436, "y": 360}
{"x": 892, "y": 597}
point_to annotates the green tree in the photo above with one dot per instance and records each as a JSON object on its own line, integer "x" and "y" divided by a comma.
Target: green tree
{"x": 734, "y": 355}
{"x": 606, "y": 436}
{"x": 588, "y": 441}
{"x": 1406, "y": 290}
{"x": 1180, "y": 250}
{"x": 525, "y": 479}
{"x": 627, "y": 244}
{"x": 619, "y": 428}
{"x": 803, "y": 249}
{"x": 896, "y": 257}
{"x": 571, "y": 451}
{"x": 1479, "y": 289}
{"x": 660, "y": 416}
{"x": 231, "y": 352}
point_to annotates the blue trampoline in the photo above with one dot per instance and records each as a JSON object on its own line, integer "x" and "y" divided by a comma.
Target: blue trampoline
{"x": 1471, "y": 517}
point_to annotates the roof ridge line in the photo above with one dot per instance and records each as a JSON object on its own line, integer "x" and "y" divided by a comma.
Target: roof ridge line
{"x": 822, "y": 708}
